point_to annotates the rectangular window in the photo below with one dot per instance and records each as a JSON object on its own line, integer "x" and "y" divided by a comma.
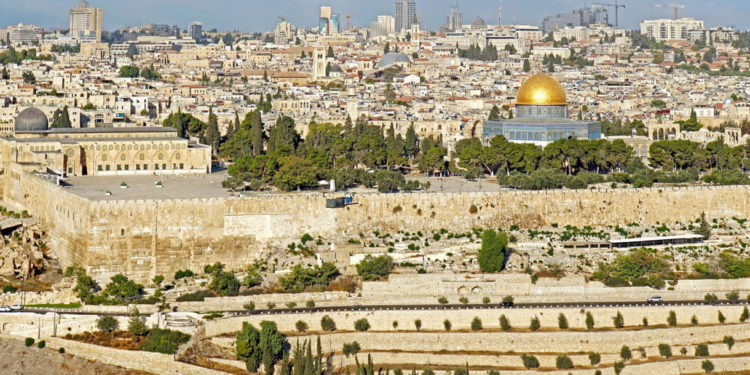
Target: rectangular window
{"x": 119, "y": 167}
{"x": 99, "y": 168}
{"x": 70, "y": 170}
{"x": 163, "y": 166}
{"x": 145, "y": 167}
{"x": 107, "y": 167}
{"x": 182, "y": 166}
{"x": 127, "y": 167}
{"x": 156, "y": 167}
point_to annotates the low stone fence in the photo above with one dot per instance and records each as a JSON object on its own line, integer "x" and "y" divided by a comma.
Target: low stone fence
{"x": 261, "y": 301}
{"x": 156, "y": 363}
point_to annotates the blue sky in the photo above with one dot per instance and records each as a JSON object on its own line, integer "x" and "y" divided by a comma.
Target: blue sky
{"x": 261, "y": 15}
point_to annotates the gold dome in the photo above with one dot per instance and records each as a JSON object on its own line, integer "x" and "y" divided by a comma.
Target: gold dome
{"x": 541, "y": 89}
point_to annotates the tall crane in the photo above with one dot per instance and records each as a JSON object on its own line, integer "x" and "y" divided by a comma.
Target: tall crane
{"x": 675, "y": 6}
{"x": 617, "y": 7}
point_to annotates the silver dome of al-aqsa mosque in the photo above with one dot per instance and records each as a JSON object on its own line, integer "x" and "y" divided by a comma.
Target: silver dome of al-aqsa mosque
{"x": 30, "y": 120}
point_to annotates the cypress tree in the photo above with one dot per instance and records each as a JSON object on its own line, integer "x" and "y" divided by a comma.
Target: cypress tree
{"x": 213, "y": 136}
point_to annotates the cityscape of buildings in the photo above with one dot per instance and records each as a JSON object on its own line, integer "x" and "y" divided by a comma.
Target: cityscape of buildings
{"x": 476, "y": 197}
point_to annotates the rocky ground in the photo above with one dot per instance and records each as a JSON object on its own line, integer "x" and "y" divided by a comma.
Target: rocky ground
{"x": 18, "y": 359}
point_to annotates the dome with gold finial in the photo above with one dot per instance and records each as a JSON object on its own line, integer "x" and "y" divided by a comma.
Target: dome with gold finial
{"x": 541, "y": 89}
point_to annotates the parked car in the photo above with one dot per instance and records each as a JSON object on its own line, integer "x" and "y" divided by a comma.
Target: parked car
{"x": 16, "y": 307}
{"x": 507, "y": 303}
{"x": 655, "y": 300}
{"x": 4, "y": 308}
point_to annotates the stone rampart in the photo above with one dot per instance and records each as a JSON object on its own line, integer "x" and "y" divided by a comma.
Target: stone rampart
{"x": 143, "y": 238}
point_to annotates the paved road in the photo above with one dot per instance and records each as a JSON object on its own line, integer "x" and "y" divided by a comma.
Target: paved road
{"x": 447, "y": 307}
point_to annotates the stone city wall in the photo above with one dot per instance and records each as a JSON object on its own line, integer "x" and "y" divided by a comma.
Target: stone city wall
{"x": 143, "y": 238}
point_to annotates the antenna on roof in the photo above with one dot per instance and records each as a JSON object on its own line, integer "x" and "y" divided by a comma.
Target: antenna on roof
{"x": 500, "y": 13}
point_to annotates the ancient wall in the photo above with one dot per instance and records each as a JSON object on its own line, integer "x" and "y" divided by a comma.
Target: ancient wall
{"x": 143, "y": 238}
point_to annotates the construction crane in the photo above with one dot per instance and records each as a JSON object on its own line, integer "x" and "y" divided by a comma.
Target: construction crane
{"x": 675, "y": 6}
{"x": 282, "y": 18}
{"x": 349, "y": 21}
{"x": 617, "y": 7}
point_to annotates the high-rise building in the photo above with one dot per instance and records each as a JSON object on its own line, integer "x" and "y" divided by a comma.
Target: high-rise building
{"x": 384, "y": 26}
{"x": 285, "y": 33}
{"x": 406, "y": 14}
{"x": 195, "y": 31}
{"x": 330, "y": 23}
{"x": 594, "y": 14}
{"x": 86, "y": 22}
{"x": 669, "y": 29}
{"x": 455, "y": 19}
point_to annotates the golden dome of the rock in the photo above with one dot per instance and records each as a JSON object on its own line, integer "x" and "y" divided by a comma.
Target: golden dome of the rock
{"x": 541, "y": 89}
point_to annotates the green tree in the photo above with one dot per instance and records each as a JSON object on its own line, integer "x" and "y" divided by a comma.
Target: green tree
{"x": 224, "y": 283}
{"x": 589, "y": 321}
{"x": 625, "y": 353}
{"x": 61, "y": 119}
{"x": 375, "y": 268}
{"x": 283, "y": 137}
{"x": 618, "y": 320}
{"x": 504, "y": 323}
{"x": 562, "y": 321}
{"x": 330, "y": 52}
{"x": 327, "y": 324}
{"x": 476, "y": 324}
{"x": 29, "y": 78}
{"x": 213, "y": 137}
{"x": 107, "y": 323}
{"x": 534, "y": 325}
{"x": 701, "y": 350}
{"x": 707, "y": 366}
{"x": 491, "y": 256}
{"x": 362, "y": 325}
{"x": 665, "y": 350}
{"x": 135, "y": 325}
{"x": 494, "y": 114}
{"x": 526, "y": 65}
{"x": 122, "y": 288}
{"x": 253, "y": 277}
{"x": 704, "y": 229}
{"x": 129, "y": 71}
{"x": 564, "y": 362}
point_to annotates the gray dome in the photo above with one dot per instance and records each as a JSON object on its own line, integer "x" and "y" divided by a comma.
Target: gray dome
{"x": 30, "y": 120}
{"x": 392, "y": 58}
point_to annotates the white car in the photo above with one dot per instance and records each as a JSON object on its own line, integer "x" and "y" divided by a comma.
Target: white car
{"x": 655, "y": 300}
{"x": 16, "y": 307}
{"x": 4, "y": 308}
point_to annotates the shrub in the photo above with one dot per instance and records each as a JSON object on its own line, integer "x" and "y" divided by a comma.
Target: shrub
{"x": 491, "y": 255}
{"x": 683, "y": 351}
{"x": 508, "y": 299}
{"x": 722, "y": 318}
{"x": 463, "y": 300}
{"x": 327, "y": 324}
{"x": 136, "y": 326}
{"x": 625, "y": 353}
{"x": 534, "y": 325}
{"x": 164, "y": 341}
{"x": 428, "y": 372}
{"x": 198, "y": 296}
{"x": 694, "y": 320}
{"x": 301, "y": 326}
{"x": 362, "y": 325}
{"x": 41, "y": 344}
{"x": 486, "y": 301}
{"x": 107, "y": 323}
{"x": 291, "y": 305}
{"x": 271, "y": 305}
{"x": 707, "y": 366}
{"x": 665, "y": 350}
{"x": 672, "y": 318}
{"x": 619, "y": 366}
{"x": 733, "y": 296}
{"x": 250, "y": 306}
{"x": 310, "y": 303}
{"x": 589, "y": 321}
{"x": 701, "y": 350}
{"x": 710, "y": 297}
{"x": 224, "y": 284}
{"x": 595, "y": 358}
{"x": 351, "y": 348}
{"x": 447, "y": 324}
{"x": 729, "y": 340}
{"x": 181, "y": 274}
{"x": 645, "y": 321}
{"x": 504, "y": 323}
{"x": 29, "y": 341}
{"x": 443, "y": 301}
{"x": 375, "y": 268}
{"x": 564, "y": 362}
{"x": 61, "y": 350}
{"x": 562, "y": 321}
{"x": 9, "y": 289}
{"x": 618, "y": 320}
{"x": 745, "y": 315}
{"x": 476, "y": 324}
{"x": 529, "y": 361}
{"x": 395, "y": 324}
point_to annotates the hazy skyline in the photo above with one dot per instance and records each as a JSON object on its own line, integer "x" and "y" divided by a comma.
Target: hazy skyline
{"x": 258, "y": 15}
